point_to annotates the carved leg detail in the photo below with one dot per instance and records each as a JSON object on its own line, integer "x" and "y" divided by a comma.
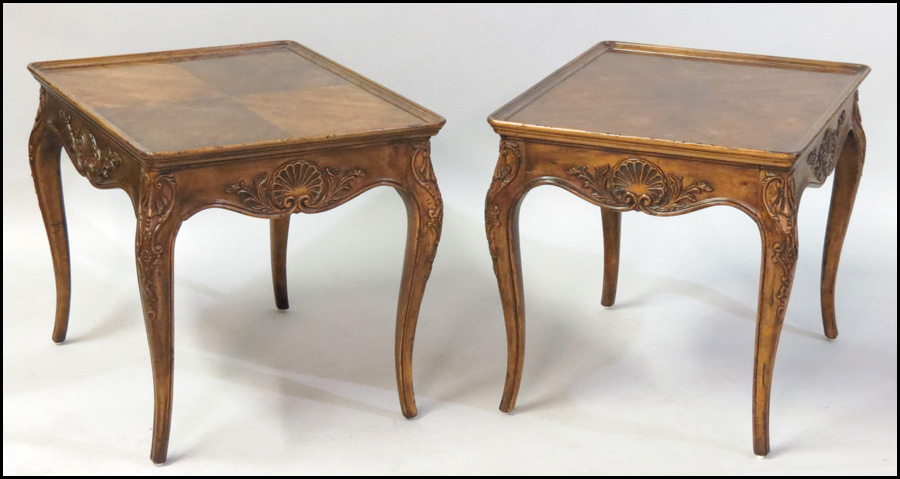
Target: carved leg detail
{"x": 778, "y": 227}
{"x": 43, "y": 155}
{"x": 155, "y": 245}
{"x": 425, "y": 212}
{"x": 612, "y": 233}
{"x": 502, "y": 225}
{"x": 846, "y": 181}
{"x": 278, "y": 229}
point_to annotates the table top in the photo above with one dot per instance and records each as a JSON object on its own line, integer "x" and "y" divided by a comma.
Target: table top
{"x": 623, "y": 94}
{"x": 207, "y": 101}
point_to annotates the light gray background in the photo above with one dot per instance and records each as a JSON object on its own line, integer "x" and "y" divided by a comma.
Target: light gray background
{"x": 660, "y": 383}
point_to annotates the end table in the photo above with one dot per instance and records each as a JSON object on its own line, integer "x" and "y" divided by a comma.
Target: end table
{"x": 667, "y": 131}
{"x": 266, "y": 130}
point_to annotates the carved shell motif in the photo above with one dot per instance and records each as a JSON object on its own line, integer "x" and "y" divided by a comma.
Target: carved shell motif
{"x": 640, "y": 181}
{"x": 635, "y": 183}
{"x": 297, "y": 183}
{"x": 295, "y": 186}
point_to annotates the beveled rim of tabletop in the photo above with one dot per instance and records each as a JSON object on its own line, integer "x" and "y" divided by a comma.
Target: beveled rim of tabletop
{"x": 501, "y": 125}
{"x": 432, "y": 122}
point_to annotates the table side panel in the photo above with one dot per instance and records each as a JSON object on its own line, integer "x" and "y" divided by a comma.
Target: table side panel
{"x": 97, "y": 155}
{"x": 819, "y": 159}
{"x": 276, "y": 185}
{"x": 619, "y": 179}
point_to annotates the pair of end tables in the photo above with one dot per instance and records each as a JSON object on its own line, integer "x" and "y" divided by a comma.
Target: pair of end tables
{"x": 273, "y": 129}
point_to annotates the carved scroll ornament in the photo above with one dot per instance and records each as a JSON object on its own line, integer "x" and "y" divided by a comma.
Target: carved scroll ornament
{"x": 823, "y": 158}
{"x": 91, "y": 160}
{"x": 780, "y": 205}
{"x": 508, "y": 165}
{"x": 422, "y": 171}
{"x": 157, "y": 195}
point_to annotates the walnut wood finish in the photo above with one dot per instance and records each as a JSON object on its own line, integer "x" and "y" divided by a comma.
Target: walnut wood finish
{"x": 668, "y": 131}
{"x": 266, "y": 130}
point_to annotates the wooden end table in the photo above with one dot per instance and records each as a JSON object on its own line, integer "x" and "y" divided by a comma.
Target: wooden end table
{"x": 266, "y": 130}
{"x": 668, "y": 131}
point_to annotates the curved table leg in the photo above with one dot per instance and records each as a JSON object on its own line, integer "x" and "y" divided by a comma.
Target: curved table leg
{"x": 502, "y": 226}
{"x": 424, "y": 209}
{"x": 154, "y": 248}
{"x": 503, "y": 234}
{"x": 778, "y": 227}
{"x": 846, "y": 182}
{"x": 278, "y": 231}
{"x": 44, "y": 154}
{"x": 612, "y": 234}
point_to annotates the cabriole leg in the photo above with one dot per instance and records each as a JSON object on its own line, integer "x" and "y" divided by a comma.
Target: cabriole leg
{"x": 778, "y": 226}
{"x": 425, "y": 212}
{"x": 846, "y": 181}
{"x": 43, "y": 154}
{"x": 154, "y": 248}
{"x": 502, "y": 225}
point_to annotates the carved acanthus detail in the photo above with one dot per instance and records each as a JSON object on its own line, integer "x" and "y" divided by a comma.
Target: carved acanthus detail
{"x": 638, "y": 184}
{"x": 157, "y": 194}
{"x": 823, "y": 159}
{"x": 90, "y": 159}
{"x": 508, "y": 166}
{"x": 295, "y": 187}
{"x": 779, "y": 201}
{"x": 423, "y": 172}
